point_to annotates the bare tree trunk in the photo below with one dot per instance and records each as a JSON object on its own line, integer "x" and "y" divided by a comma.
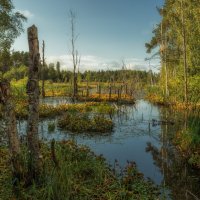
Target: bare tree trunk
{"x": 43, "y": 65}
{"x": 166, "y": 70}
{"x": 110, "y": 91}
{"x": 11, "y": 129}
{"x": 162, "y": 49}
{"x": 33, "y": 99}
{"x": 74, "y": 53}
{"x": 99, "y": 91}
{"x": 119, "y": 95}
{"x": 121, "y": 90}
{"x": 87, "y": 93}
{"x": 126, "y": 89}
{"x": 97, "y": 87}
{"x": 184, "y": 55}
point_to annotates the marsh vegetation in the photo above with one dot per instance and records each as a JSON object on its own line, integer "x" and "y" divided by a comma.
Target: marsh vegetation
{"x": 114, "y": 134}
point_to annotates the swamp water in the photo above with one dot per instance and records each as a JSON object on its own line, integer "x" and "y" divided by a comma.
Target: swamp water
{"x": 143, "y": 133}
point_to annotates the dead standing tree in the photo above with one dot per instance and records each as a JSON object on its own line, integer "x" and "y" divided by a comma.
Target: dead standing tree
{"x": 33, "y": 100}
{"x": 11, "y": 128}
{"x": 74, "y": 53}
{"x": 43, "y": 66}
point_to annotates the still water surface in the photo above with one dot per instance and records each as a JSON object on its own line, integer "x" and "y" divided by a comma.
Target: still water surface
{"x": 138, "y": 136}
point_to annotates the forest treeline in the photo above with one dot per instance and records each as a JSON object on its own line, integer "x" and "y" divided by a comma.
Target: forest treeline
{"x": 176, "y": 41}
{"x": 15, "y": 66}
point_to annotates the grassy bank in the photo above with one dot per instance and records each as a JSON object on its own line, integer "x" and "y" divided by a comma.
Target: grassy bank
{"x": 78, "y": 174}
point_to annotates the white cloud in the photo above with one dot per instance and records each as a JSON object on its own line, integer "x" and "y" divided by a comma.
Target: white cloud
{"x": 90, "y": 62}
{"x": 26, "y": 13}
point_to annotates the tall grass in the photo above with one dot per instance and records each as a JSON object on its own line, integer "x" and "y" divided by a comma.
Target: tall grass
{"x": 78, "y": 174}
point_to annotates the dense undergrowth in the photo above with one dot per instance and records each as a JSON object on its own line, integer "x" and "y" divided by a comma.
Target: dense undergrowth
{"x": 186, "y": 140}
{"x": 155, "y": 95}
{"x": 77, "y": 174}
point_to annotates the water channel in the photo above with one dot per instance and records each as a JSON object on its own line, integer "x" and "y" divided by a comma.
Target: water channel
{"x": 143, "y": 133}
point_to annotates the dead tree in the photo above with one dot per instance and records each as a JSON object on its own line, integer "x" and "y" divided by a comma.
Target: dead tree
{"x": 74, "y": 53}
{"x": 99, "y": 87}
{"x": 11, "y": 129}
{"x": 43, "y": 66}
{"x": 87, "y": 89}
{"x": 32, "y": 90}
{"x": 110, "y": 91}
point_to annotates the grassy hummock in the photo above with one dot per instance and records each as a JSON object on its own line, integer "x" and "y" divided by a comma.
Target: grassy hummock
{"x": 123, "y": 98}
{"x": 78, "y": 175}
{"x": 83, "y": 122}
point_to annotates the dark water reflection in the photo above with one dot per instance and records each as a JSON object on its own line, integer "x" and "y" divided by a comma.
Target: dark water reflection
{"x": 136, "y": 137}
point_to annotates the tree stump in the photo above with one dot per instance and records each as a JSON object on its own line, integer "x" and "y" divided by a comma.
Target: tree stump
{"x": 33, "y": 92}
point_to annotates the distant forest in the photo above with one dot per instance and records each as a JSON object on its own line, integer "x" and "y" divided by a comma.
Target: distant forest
{"x": 19, "y": 62}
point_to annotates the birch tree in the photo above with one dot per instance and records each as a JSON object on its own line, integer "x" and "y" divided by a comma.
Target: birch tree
{"x": 11, "y": 26}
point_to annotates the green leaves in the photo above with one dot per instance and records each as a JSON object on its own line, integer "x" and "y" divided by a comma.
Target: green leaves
{"x": 11, "y": 24}
{"x": 177, "y": 36}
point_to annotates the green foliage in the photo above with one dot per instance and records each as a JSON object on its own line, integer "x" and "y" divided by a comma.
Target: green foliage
{"x": 19, "y": 89}
{"x": 78, "y": 174}
{"x": 10, "y": 24}
{"x": 51, "y": 126}
{"x": 179, "y": 24}
{"x": 188, "y": 142}
{"x": 195, "y": 160}
{"x": 104, "y": 108}
{"x": 16, "y": 73}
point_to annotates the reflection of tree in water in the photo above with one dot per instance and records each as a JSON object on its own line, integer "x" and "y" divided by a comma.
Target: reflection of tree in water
{"x": 183, "y": 182}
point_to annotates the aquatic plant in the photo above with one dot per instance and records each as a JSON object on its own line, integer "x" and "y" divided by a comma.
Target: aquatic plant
{"x": 51, "y": 126}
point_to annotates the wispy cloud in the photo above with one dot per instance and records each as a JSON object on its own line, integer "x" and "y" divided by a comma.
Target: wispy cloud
{"x": 89, "y": 62}
{"x": 26, "y": 13}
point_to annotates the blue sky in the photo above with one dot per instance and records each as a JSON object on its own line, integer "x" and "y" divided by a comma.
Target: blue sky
{"x": 109, "y": 30}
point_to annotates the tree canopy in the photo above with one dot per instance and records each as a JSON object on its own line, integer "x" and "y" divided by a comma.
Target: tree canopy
{"x": 176, "y": 38}
{"x": 11, "y": 24}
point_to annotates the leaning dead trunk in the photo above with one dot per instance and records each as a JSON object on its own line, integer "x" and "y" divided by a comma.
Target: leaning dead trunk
{"x": 11, "y": 128}
{"x": 33, "y": 100}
